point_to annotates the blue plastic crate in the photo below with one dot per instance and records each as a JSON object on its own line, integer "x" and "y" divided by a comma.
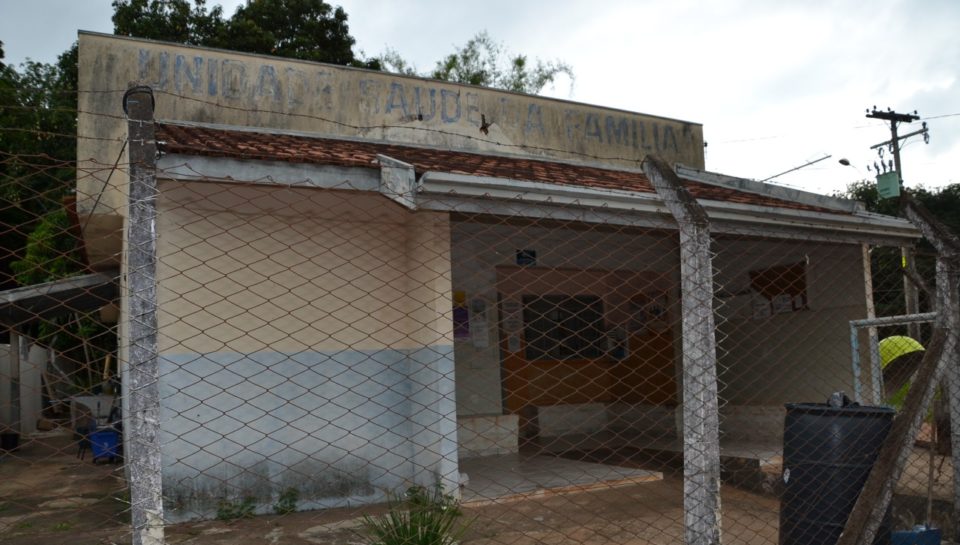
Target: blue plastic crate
{"x": 920, "y": 535}
{"x": 104, "y": 445}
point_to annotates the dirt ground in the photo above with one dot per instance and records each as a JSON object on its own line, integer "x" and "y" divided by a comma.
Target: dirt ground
{"x": 50, "y": 497}
{"x": 649, "y": 513}
{"x": 45, "y": 488}
{"x": 62, "y": 500}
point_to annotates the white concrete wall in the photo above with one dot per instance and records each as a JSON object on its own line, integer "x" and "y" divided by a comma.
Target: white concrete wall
{"x": 305, "y": 342}
{"x": 651, "y": 420}
{"x": 799, "y": 356}
{"x": 487, "y": 435}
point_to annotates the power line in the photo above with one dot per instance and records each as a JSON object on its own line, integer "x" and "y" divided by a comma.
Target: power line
{"x": 941, "y": 116}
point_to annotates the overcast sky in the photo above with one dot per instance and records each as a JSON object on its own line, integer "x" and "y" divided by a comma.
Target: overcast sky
{"x": 775, "y": 83}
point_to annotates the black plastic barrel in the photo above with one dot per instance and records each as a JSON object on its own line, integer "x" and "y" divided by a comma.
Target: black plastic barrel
{"x": 9, "y": 441}
{"x": 827, "y": 455}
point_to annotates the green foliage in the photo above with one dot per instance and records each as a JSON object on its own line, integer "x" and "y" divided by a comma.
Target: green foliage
{"x": 314, "y": 30}
{"x": 52, "y": 251}
{"x": 37, "y": 149}
{"x": 287, "y": 502}
{"x": 422, "y": 517}
{"x": 944, "y": 204}
{"x": 392, "y": 61}
{"x": 481, "y": 62}
{"x": 301, "y": 29}
{"x": 171, "y": 20}
{"x": 233, "y": 510}
{"x": 38, "y": 141}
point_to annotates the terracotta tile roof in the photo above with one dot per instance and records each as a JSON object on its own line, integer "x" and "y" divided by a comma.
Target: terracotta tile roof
{"x": 193, "y": 140}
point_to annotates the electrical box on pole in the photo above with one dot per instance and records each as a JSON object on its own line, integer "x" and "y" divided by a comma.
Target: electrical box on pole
{"x": 888, "y": 183}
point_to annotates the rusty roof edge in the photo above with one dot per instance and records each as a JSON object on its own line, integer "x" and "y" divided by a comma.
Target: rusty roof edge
{"x": 623, "y": 197}
{"x": 769, "y": 190}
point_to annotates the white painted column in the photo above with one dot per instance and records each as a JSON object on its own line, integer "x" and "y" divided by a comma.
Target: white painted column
{"x": 33, "y": 360}
{"x": 701, "y": 420}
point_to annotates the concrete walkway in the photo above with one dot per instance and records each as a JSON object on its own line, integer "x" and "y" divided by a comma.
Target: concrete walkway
{"x": 514, "y": 477}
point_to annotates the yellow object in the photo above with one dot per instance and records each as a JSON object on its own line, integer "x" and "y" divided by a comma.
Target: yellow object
{"x": 893, "y": 347}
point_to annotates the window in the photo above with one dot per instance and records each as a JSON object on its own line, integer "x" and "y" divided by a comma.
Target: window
{"x": 784, "y": 287}
{"x": 563, "y": 327}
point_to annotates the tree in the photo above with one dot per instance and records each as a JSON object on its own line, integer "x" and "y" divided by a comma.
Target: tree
{"x": 316, "y": 31}
{"x": 481, "y": 61}
{"x": 37, "y": 169}
{"x": 168, "y": 20}
{"x": 944, "y": 204}
{"x": 37, "y": 149}
{"x": 302, "y": 29}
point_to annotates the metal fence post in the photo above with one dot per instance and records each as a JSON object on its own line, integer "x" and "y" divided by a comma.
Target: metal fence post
{"x": 143, "y": 450}
{"x": 701, "y": 419}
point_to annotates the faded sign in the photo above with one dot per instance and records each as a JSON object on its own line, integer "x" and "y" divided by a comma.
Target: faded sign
{"x": 226, "y": 88}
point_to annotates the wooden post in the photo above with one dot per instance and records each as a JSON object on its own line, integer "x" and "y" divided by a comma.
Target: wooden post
{"x": 876, "y": 388}
{"x": 948, "y": 305}
{"x": 950, "y": 383}
{"x": 911, "y": 293}
{"x": 952, "y": 393}
{"x": 939, "y": 360}
{"x": 143, "y": 439}
{"x": 701, "y": 420}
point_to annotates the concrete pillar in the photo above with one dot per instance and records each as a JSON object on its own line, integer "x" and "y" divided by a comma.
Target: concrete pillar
{"x": 701, "y": 420}
{"x": 6, "y": 389}
{"x": 433, "y": 406}
{"x": 33, "y": 360}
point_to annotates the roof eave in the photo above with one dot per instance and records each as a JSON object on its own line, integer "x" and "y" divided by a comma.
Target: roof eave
{"x": 770, "y": 190}
{"x": 442, "y": 183}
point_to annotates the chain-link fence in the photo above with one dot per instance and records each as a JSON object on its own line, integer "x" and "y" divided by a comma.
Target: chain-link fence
{"x": 255, "y": 336}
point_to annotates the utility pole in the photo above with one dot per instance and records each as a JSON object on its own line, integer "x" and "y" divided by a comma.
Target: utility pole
{"x": 911, "y": 294}
{"x": 895, "y": 119}
{"x": 947, "y": 306}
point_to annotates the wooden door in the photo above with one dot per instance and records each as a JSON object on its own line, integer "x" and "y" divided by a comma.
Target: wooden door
{"x": 571, "y": 336}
